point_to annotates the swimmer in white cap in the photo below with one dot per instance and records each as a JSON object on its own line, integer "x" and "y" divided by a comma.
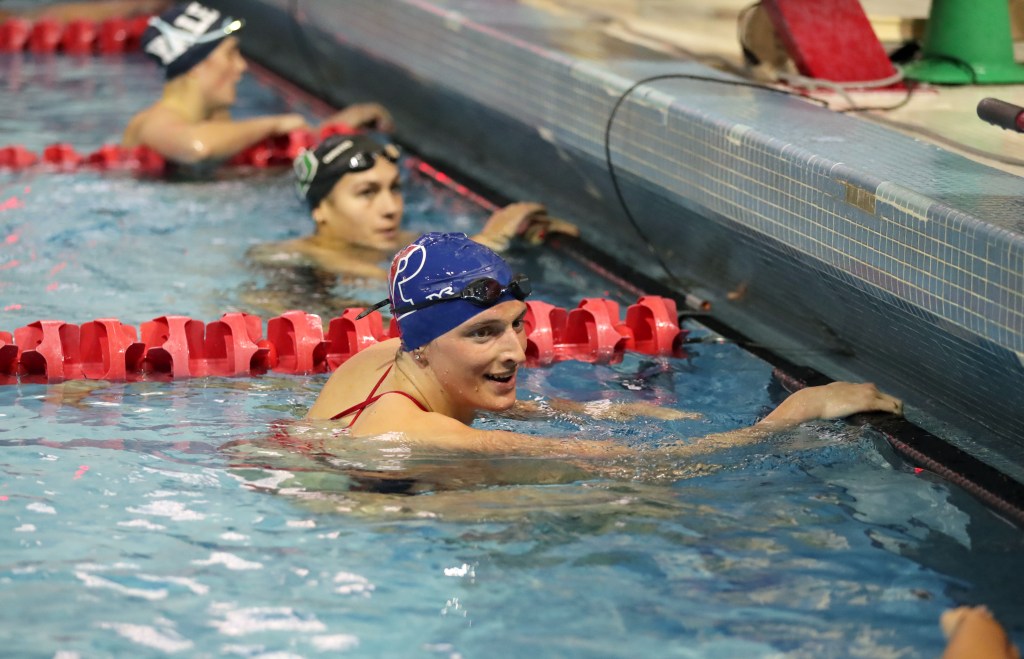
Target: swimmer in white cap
{"x": 198, "y": 49}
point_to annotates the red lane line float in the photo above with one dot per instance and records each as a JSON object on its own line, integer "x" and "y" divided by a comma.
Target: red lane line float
{"x": 230, "y": 346}
{"x": 348, "y": 334}
{"x": 103, "y": 349}
{"x": 79, "y": 37}
{"x": 49, "y": 351}
{"x": 14, "y": 34}
{"x": 652, "y": 327}
{"x": 591, "y": 333}
{"x": 299, "y": 339}
{"x": 274, "y": 151}
{"x": 112, "y": 156}
{"x": 544, "y": 324}
{"x": 120, "y": 35}
{"x": 17, "y": 157}
{"x": 45, "y": 36}
{"x": 9, "y": 356}
{"x": 180, "y": 347}
{"x": 62, "y": 156}
{"x": 173, "y": 346}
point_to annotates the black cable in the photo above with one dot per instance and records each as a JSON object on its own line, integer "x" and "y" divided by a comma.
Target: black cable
{"x": 608, "y": 149}
{"x": 963, "y": 64}
{"x": 911, "y": 88}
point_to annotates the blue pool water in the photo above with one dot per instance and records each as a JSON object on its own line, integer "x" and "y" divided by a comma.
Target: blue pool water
{"x": 136, "y": 524}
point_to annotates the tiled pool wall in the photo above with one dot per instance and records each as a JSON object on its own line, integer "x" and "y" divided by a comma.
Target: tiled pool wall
{"x": 845, "y": 246}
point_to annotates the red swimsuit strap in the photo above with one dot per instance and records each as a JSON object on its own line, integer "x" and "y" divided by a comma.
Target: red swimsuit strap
{"x": 373, "y": 398}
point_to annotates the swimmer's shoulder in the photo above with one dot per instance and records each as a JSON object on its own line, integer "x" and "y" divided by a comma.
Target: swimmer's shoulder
{"x": 130, "y": 137}
{"x": 155, "y": 119}
{"x": 351, "y": 382}
{"x": 340, "y": 261}
{"x": 369, "y": 361}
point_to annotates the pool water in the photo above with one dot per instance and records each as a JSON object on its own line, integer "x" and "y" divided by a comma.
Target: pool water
{"x": 161, "y": 518}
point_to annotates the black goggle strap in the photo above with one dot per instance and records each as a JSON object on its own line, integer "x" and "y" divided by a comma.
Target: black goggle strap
{"x": 482, "y": 292}
{"x": 369, "y": 310}
{"x": 519, "y": 287}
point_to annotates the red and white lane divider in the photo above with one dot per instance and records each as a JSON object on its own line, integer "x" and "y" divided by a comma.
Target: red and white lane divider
{"x": 63, "y": 157}
{"x": 80, "y": 37}
{"x": 52, "y": 351}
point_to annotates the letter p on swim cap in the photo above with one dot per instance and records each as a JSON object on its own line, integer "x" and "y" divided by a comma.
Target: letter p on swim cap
{"x": 440, "y": 266}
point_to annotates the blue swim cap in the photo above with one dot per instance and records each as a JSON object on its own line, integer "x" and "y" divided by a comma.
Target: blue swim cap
{"x": 440, "y": 265}
{"x": 184, "y": 35}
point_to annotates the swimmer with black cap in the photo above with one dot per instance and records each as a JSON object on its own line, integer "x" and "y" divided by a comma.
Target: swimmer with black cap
{"x": 352, "y": 186}
{"x": 460, "y": 311}
{"x": 197, "y": 46}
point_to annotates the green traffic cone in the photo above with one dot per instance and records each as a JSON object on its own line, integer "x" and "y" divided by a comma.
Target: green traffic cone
{"x": 967, "y": 42}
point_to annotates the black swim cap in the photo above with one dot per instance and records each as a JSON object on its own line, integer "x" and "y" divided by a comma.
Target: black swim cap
{"x": 317, "y": 171}
{"x": 184, "y": 35}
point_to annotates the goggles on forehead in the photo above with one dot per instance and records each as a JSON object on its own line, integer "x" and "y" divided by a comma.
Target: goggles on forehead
{"x": 307, "y": 165}
{"x": 178, "y": 35}
{"x": 483, "y": 292}
{"x": 364, "y": 160}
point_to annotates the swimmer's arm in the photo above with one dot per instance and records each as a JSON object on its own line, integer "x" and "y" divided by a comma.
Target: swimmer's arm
{"x": 600, "y": 409}
{"x": 973, "y": 632}
{"x": 830, "y": 401}
{"x": 368, "y": 116}
{"x": 434, "y": 430}
{"x": 398, "y": 418}
{"x": 183, "y": 142}
{"x": 448, "y": 434}
{"x": 526, "y": 220}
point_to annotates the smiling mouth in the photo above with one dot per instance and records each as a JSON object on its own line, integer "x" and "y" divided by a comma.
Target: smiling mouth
{"x": 504, "y": 379}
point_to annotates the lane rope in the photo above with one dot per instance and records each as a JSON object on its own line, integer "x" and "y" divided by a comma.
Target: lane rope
{"x": 50, "y": 351}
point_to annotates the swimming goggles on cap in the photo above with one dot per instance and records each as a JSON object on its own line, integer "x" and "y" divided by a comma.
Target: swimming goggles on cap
{"x": 307, "y": 164}
{"x": 482, "y": 292}
{"x": 175, "y": 40}
{"x": 364, "y": 160}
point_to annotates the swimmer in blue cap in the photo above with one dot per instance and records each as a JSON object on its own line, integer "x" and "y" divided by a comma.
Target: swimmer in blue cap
{"x": 460, "y": 311}
{"x": 197, "y": 46}
{"x": 352, "y": 187}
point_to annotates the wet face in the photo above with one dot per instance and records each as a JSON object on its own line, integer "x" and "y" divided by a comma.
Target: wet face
{"x": 364, "y": 209}
{"x": 219, "y": 73}
{"x": 476, "y": 363}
